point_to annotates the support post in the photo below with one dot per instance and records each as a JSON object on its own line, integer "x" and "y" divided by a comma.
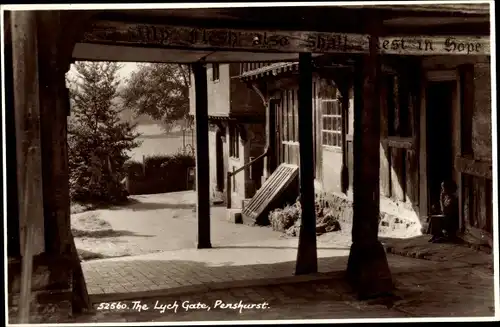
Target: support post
{"x": 27, "y": 120}
{"x": 367, "y": 268}
{"x": 307, "y": 261}
{"x": 54, "y": 102}
{"x": 202, "y": 156}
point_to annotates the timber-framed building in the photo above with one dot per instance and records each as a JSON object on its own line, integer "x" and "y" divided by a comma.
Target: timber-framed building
{"x": 385, "y": 148}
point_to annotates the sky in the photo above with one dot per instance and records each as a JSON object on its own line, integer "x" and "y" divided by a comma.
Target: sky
{"x": 124, "y": 73}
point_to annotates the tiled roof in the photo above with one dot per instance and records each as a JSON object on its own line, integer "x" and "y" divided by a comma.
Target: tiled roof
{"x": 272, "y": 69}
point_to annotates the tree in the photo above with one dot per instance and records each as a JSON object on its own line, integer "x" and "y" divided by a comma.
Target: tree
{"x": 98, "y": 140}
{"x": 160, "y": 91}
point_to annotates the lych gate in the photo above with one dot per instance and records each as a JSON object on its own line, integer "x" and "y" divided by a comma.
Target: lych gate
{"x": 40, "y": 46}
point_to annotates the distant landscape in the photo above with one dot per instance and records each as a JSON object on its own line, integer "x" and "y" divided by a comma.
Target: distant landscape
{"x": 156, "y": 142}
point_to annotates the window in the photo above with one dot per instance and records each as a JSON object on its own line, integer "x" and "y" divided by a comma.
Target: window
{"x": 215, "y": 72}
{"x": 234, "y": 146}
{"x": 331, "y": 131}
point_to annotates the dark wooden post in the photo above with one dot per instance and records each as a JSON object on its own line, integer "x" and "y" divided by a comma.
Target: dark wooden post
{"x": 55, "y": 53}
{"x": 367, "y": 268}
{"x": 27, "y": 120}
{"x": 202, "y": 156}
{"x": 54, "y": 102}
{"x": 307, "y": 261}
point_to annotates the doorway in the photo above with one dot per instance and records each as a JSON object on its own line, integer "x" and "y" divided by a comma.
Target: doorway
{"x": 219, "y": 160}
{"x": 439, "y": 138}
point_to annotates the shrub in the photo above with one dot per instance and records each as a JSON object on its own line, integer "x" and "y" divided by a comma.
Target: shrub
{"x": 288, "y": 219}
{"x": 282, "y": 219}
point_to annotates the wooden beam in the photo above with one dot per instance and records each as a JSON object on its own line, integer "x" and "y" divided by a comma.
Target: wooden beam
{"x": 473, "y": 167}
{"x": 307, "y": 261}
{"x": 202, "y": 156}
{"x": 367, "y": 269}
{"x": 184, "y": 37}
{"x": 399, "y": 142}
{"x": 27, "y": 119}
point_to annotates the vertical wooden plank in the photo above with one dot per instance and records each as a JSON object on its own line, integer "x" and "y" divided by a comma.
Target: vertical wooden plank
{"x": 296, "y": 123}
{"x": 315, "y": 128}
{"x": 411, "y": 157}
{"x": 466, "y": 80}
{"x": 467, "y": 100}
{"x": 296, "y": 114}
{"x": 27, "y": 119}
{"x": 385, "y": 171}
{"x": 281, "y": 130}
{"x": 481, "y": 203}
{"x": 319, "y": 147}
{"x": 272, "y": 136}
{"x": 489, "y": 205}
{"x": 202, "y": 156}
{"x": 475, "y": 201}
{"x": 397, "y": 155}
{"x": 13, "y": 241}
{"x": 415, "y": 102}
{"x": 422, "y": 156}
{"x": 307, "y": 261}
{"x": 286, "y": 122}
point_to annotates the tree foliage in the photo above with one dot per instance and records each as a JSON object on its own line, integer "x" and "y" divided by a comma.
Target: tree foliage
{"x": 160, "y": 91}
{"x": 98, "y": 140}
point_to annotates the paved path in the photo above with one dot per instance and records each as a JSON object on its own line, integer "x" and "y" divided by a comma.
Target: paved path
{"x": 246, "y": 262}
{"x": 191, "y": 270}
{"x": 438, "y": 290}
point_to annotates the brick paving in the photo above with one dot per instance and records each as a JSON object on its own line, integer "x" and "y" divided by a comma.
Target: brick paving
{"x": 171, "y": 272}
{"x": 442, "y": 291}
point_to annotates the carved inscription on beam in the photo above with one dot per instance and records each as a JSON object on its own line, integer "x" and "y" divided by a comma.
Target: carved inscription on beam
{"x": 115, "y": 33}
{"x": 197, "y": 38}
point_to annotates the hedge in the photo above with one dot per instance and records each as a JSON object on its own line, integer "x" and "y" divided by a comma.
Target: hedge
{"x": 160, "y": 174}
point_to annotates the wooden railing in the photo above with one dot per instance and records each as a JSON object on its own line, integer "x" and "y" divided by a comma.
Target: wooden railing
{"x": 230, "y": 175}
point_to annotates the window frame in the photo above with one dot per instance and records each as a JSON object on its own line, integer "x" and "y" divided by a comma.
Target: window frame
{"x": 334, "y": 134}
